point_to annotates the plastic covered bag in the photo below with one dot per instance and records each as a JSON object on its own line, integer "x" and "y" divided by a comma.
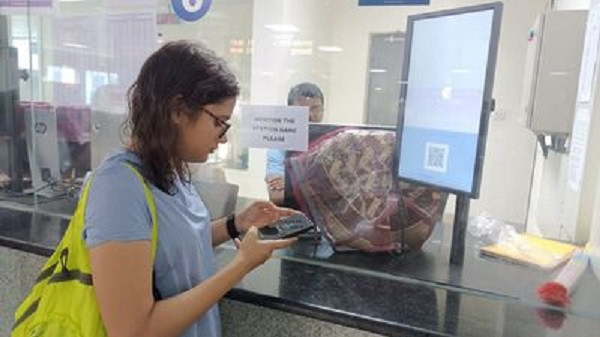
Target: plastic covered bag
{"x": 346, "y": 185}
{"x": 491, "y": 231}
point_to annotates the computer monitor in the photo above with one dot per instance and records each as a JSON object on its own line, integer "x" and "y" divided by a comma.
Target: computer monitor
{"x": 445, "y": 99}
{"x": 42, "y": 147}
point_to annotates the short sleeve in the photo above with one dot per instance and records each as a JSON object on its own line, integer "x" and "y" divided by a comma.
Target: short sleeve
{"x": 116, "y": 208}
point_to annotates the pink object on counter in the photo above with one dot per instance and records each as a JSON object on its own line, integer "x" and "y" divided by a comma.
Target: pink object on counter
{"x": 73, "y": 123}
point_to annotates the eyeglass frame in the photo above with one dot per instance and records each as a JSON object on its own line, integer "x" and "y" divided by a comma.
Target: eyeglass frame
{"x": 221, "y": 123}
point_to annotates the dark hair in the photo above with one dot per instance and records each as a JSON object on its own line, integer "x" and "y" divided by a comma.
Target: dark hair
{"x": 180, "y": 77}
{"x": 305, "y": 89}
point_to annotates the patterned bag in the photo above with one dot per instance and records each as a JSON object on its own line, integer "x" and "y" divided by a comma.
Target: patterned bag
{"x": 346, "y": 184}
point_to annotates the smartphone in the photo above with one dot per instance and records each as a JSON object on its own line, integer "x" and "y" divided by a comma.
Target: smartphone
{"x": 287, "y": 228}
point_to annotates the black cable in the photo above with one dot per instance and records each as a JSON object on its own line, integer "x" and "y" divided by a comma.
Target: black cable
{"x": 69, "y": 190}
{"x": 60, "y": 197}
{"x": 25, "y": 194}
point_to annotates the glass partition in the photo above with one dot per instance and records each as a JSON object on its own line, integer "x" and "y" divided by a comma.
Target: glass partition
{"x": 66, "y": 67}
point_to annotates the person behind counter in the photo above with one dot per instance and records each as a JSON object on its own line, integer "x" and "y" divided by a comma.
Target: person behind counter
{"x": 303, "y": 94}
{"x": 179, "y": 108}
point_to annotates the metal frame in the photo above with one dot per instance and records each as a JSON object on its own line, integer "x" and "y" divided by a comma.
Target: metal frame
{"x": 497, "y": 7}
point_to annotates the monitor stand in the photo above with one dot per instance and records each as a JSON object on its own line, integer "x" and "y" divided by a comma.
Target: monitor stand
{"x": 461, "y": 219}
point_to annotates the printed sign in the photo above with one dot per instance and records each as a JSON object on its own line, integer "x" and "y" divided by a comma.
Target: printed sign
{"x": 275, "y": 127}
{"x": 392, "y": 2}
{"x": 191, "y": 10}
{"x": 579, "y": 143}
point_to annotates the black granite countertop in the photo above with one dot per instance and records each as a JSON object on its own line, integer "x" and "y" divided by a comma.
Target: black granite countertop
{"x": 415, "y": 294}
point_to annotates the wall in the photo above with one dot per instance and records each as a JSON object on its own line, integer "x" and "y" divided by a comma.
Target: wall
{"x": 594, "y": 248}
{"x": 580, "y": 200}
{"x": 559, "y": 211}
{"x": 580, "y": 217}
{"x": 594, "y": 242}
{"x": 546, "y": 215}
{"x": 280, "y": 60}
{"x": 571, "y": 4}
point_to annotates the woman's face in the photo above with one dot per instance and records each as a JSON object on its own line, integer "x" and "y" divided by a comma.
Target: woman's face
{"x": 199, "y": 138}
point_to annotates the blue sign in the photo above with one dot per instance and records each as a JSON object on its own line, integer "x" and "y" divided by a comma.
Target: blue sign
{"x": 392, "y": 2}
{"x": 191, "y": 10}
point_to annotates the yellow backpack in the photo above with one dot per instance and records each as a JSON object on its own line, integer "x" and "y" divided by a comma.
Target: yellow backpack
{"x": 62, "y": 301}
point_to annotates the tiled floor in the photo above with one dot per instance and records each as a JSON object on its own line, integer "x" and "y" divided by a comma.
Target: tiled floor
{"x": 18, "y": 270}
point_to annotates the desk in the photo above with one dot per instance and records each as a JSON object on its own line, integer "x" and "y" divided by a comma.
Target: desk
{"x": 415, "y": 294}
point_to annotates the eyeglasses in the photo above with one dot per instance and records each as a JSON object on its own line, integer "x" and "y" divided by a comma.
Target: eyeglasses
{"x": 218, "y": 122}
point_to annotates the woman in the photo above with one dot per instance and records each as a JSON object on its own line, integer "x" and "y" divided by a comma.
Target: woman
{"x": 179, "y": 108}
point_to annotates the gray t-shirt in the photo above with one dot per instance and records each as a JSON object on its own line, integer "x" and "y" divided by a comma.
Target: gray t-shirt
{"x": 117, "y": 211}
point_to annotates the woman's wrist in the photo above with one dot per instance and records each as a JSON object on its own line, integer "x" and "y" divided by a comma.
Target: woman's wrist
{"x": 240, "y": 262}
{"x": 232, "y": 227}
{"x": 239, "y": 227}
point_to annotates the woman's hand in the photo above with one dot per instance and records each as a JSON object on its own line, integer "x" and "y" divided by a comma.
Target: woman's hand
{"x": 252, "y": 251}
{"x": 261, "y": 214}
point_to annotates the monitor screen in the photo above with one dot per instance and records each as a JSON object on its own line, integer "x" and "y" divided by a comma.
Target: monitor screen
{"x": 445, "y": 101}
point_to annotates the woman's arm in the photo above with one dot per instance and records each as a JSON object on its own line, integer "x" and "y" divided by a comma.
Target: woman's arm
{"x": 219, "y": 232}
{"x": 122, "y": 274}
{"x": 259, "y": 214}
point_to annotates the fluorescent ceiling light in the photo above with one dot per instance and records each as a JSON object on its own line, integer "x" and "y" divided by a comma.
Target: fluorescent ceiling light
{"x": 378, "y": 71}
{"x": 461, "y": 71}
{"x": 330, "y": 49}
{"x": 283, "y": 36}
{"x": 283, "y": 28}
{"x": 75, "y": 45}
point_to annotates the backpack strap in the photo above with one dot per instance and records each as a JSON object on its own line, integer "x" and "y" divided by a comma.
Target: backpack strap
{"x": 149, "y": 200}
{"x": 151, "y": 205}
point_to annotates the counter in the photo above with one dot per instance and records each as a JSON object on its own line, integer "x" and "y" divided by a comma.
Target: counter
{"x": 413, "y": 294}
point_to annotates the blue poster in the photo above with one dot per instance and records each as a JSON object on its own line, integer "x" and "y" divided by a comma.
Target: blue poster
{"x": 392, "y": 2}
{"x": 191, "y": 10}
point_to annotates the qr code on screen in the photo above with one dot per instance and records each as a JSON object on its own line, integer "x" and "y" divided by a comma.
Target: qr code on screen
{"x": 436, "y": 157}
